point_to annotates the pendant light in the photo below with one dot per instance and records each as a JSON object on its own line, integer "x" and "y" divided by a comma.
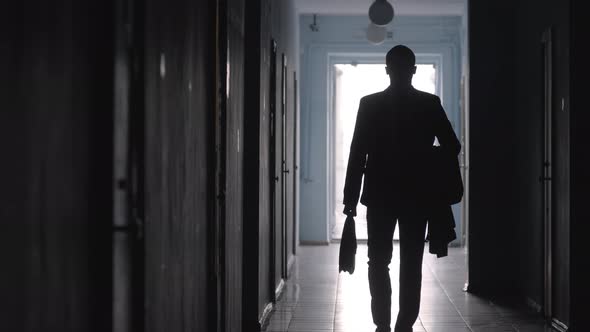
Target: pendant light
{"x": 376, "y": 34}
{"x": 381, "y": 12}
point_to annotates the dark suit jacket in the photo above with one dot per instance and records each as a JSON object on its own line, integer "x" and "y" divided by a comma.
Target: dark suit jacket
{"x": 392, "y": 143}
{"x": 447, "y": 190}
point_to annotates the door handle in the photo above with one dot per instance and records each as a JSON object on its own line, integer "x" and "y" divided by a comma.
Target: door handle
{"x": 544, "y": 178}
{"x": 286, "y": 171}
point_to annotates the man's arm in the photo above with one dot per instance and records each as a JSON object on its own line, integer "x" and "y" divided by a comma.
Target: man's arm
{"x": 444, "y": 131}
{"x": 356, "y": 161}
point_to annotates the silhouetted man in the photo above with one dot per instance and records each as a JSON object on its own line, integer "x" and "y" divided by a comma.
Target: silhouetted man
{"x": 392, "y": 143}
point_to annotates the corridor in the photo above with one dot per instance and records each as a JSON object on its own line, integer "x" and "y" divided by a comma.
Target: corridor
{"x": 318, "y": 299}
{"x": 173, "y": 166}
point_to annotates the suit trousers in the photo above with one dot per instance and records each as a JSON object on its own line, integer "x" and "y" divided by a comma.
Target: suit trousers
{"x": 381, "y": 226}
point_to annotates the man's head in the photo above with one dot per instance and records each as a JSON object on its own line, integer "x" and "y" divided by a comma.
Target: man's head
{"x": 401, "y": 64}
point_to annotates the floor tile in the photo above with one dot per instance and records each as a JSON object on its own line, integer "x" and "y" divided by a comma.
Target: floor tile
{"x": 319, "y": 299}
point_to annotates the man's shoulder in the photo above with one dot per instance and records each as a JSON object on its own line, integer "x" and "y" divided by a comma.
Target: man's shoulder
{"x": 374, "y": 99}
{"x": 423, "y": 95}
{"x": 426, "y": 97}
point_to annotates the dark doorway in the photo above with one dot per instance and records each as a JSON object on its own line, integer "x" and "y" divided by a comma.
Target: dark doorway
{"x": 350, "y": 83}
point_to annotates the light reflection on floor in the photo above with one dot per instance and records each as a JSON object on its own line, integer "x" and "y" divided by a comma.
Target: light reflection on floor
{"x": 317, "y": 298}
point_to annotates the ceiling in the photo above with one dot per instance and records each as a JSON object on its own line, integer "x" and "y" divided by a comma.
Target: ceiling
{"x": 401, "y": 7}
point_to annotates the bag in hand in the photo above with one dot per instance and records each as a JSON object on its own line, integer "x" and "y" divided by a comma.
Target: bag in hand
{"x": 348, "y": 246}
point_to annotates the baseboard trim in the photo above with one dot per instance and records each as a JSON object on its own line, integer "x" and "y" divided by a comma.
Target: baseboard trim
{"x": 290, "y": 265}
{"x": 358, "y": 241}
{"x": 279, "y": 289}
{"x": 559, "y": 326}
{"x": 314, "y": 243}
{"x": 265, "y": 317}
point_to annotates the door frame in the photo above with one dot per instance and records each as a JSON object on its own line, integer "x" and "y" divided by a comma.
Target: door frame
{"x": 547, "y": 168}
{"x": 284, "y": 167}
{"x": 295, "y": 162}
{"x": 272, "y": 167}
{"x": 436, "y": 59}
{"x": 547, "y": 176}
{"x": 129, "y": 179}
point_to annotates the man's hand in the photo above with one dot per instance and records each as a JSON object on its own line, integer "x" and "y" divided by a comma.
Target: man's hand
{"x": 350, "y": 211}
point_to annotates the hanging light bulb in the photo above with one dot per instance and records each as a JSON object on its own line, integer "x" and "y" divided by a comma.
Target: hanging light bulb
{"x": 376, "y": 34}
{"x": 381, "y": 12}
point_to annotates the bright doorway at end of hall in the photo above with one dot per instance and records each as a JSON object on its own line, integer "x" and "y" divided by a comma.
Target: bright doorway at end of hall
{"x": 351, "y": 83}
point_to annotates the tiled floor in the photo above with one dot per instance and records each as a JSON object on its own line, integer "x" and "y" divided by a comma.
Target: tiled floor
{"x": 317, "y": 298}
